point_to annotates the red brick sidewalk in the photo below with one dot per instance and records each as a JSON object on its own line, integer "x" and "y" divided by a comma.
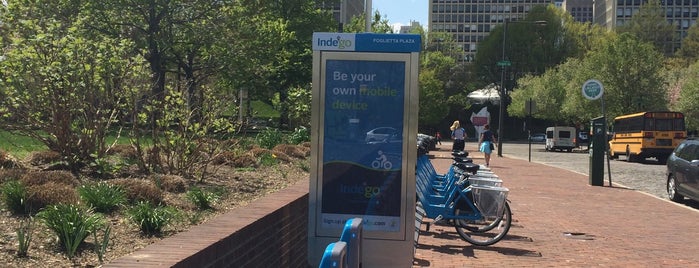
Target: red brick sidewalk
{"x": 561, "y": 221}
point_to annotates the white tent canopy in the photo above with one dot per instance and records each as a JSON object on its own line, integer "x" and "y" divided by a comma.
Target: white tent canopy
{"x": 489, "y": 93}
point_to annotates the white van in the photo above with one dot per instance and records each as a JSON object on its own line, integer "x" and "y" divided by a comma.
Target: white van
{"x": 560, "y": 138}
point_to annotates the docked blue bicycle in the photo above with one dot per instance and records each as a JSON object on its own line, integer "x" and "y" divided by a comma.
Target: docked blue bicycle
{"x": 470, "y": 200}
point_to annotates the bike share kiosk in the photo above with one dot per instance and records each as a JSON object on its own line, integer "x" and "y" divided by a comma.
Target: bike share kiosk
{"x": 364, "y": 144}
{"x": 598, "y": 147}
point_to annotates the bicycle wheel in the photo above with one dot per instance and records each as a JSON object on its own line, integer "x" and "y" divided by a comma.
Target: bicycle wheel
{"x": 487, "y": 231}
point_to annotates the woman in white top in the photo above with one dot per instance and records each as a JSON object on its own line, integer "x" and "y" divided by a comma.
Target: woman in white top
{"x": 458, "y": 134}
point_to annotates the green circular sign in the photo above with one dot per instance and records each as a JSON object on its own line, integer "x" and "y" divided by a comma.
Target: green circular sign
{"x": 592, "y": 89}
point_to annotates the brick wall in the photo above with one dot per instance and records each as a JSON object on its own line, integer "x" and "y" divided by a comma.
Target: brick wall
{"x": 269, "y": 232}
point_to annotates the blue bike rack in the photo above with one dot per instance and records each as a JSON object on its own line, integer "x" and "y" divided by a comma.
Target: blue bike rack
{"x": 335, "y": 255}
{"x": 352, "y": 235}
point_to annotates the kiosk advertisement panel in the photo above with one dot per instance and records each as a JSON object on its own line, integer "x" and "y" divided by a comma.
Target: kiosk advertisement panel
{"x": 363, "y": 143}
{"x": 363, "y": 135}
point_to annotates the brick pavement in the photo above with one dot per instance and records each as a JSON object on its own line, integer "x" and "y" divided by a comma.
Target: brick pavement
{"x": 559, "y": 220}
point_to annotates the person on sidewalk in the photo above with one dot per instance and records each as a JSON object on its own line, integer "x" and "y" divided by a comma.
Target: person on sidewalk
{"x": 458, "y": 134}
{"x": 486, "y": 144}
{"x": 438, "y": 136}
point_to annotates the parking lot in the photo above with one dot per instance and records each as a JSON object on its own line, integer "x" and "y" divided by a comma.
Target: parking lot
{"x": 648, "y": 176}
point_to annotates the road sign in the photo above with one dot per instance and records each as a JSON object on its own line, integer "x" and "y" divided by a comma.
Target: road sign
{"x": 504, "y": 63}
{"x": 592, "y": 89}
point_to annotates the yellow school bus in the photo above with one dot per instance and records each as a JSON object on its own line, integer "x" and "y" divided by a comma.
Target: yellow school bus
{"x": 647, "y": 134}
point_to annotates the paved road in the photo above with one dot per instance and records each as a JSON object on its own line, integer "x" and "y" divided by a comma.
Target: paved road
{"x": 648, "y": 177}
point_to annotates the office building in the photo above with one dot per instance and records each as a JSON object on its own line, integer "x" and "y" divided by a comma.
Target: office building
{"x": 344, "y": 10}
{"x": 471, "y": 20}
{"x": 680, "y": 13}
{"x": 580, "y": 10}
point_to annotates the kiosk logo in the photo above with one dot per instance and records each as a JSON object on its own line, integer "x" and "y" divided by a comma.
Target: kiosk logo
{"x": 366, "y": 191}
{"x": 334, "y": 41}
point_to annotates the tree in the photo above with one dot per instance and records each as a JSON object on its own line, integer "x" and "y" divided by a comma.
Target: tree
{"x": 630, "y": 71}
{"x": 650, "y": 25}
{"x": 529, "y": 46}
{"x": 688, "y": 101}
{"x": 690, "y": 45}
{"x": 379, "y": 24}
{"x": 628, "y": 86}
{"x": 61, "y": 85}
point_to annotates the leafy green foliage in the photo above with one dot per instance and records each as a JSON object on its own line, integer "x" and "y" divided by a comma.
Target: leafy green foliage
{"x": 300, "y": 135}
{"x": 151, "y": 219}
{"x": 14, "y": 193}
{"x": 71, "y": 223}
{"x": 103, "y": 197}
{"x": 268, "y": 159}
{"x": 63, "y": 87}
{"x": 269, "y": 138}
{"x": 24, "y": 237}
{"x": 688, "y": 101}
{"x": 101, "y": 242}
{"x": 650, "y": 25}
{"x": 201, "y": 198}
{"x": 379, "y": 24}
{"x": 690, "y": 45}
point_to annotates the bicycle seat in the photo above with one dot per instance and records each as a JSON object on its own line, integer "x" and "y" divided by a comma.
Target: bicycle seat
{"x": 463, "y": 160}
{"x": 468, "y": 167}
{"x": 459, "y": 153}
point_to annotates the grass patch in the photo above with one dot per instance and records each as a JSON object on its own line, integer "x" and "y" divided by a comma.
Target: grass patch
{"x": 263, "y": 110}
{"x": 18, "y": 145}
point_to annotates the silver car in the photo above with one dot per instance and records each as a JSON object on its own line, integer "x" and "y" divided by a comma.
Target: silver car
{"x": 383, "y": 134}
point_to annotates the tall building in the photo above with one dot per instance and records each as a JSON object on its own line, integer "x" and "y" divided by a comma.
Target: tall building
{"x": 409, "y": 28}
{"x": 580, "y": 10}
{"x": 470, "y": 21}
{"x": 680, "y": 13}
{"x": 344, "y": 10}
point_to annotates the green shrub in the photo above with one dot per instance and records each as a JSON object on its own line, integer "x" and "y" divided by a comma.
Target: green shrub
{"x": 24, "y": 237}
{"x": 268, "y": 138}
{"x": 202, "y": 199}
{"x": 103, "y": 197}
{"x": 151, "y": 219}
{"x": 15, "y": 196}
{"x": 300, "y": 135}
{"x": 101, "y": 242}
{"x": 268, "y": 159}
{"x": 71, "y": 223}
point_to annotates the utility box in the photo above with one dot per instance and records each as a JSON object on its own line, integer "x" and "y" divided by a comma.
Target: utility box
{"x": 598, "y": 147}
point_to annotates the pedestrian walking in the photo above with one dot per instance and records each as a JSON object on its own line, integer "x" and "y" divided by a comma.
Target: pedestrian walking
{"x": 458, "y": 135}
{"x": 486, "y": 144}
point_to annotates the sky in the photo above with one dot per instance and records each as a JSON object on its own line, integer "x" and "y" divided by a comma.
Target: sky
{"x": 401, "y": 12}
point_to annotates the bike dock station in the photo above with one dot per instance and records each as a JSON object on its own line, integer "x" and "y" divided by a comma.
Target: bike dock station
{"x": 365, "y": 104}
{"x": 467, "y": 197}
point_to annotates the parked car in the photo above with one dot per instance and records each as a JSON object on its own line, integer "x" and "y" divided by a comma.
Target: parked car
{"x": 683, "y": 171}
{"x": 538, "y": 137}
{"x": 582, "y": 139}
{"x": 383, "y": 134}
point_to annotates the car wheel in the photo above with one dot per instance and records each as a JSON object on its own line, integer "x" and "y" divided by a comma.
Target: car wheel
{"x": 672, "y": 190}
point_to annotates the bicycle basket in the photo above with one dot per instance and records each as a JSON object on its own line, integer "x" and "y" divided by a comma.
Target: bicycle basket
{"x": 481, "y": 181}
{"x": 490, "y": 200}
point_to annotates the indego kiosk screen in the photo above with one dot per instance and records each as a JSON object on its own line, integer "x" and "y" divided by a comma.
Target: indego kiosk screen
{"x": 363, "y": 143}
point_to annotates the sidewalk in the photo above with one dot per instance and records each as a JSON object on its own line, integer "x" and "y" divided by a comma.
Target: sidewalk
{"x": 559, "y": 220}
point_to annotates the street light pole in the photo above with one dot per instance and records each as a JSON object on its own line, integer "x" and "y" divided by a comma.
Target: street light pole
{"x": 503, "y": 90}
